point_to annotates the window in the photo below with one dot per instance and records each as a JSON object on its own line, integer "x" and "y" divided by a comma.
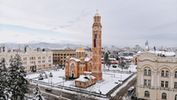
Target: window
{"x": 146, "y": 94}
{"x": 175, "y": 74}
{"x": 167, "y": 73}
{"x": 25, "y": 58}
{"x": 147, "y": 72}
{"x": 175, "y": 85}
{"x": 95, "y": 39}
{"x": 147, "y": 82}
{"x": 164, "y": 96}
{"x": 164, "y": 73}
{"x": 164, "y": 84}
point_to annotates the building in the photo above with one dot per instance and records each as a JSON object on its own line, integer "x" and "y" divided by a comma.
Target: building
{"x": 77, "y": 66}
{"x": 32, "y": 60}
{"x": 85, "y": 80}
{"x": 156, "y": 76}
{"x": 59, "y": 56}
{"x": 80, "y": 52}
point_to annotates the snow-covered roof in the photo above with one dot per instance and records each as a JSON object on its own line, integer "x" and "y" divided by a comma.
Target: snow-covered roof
{"x": 87, "y": 58}
{"x": 128, "y": 57}
{"x": 75, "y": 59}
{"x": 88, "y": 73}
{"x": 85, "y": 78}
{"x": 165, "y": 53}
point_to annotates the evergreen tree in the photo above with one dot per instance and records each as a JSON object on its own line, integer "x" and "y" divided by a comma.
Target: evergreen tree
{"x": 37, "y": 94}
{"x": 122, "y": 63}
{"x": 3, "y": 80}
{"x": 106, "y": 59}
{"x": 16, "y": 79}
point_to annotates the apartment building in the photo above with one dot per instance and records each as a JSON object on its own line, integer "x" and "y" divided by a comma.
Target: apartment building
{"x": 32, "y": 60}
{"x": 59, "y": 56}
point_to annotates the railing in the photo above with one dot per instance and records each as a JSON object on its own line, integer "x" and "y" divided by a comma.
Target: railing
{"x": 72, "y": 89}
{"x": 126, "y": 72}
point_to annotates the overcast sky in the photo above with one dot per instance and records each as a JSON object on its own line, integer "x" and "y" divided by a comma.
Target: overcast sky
{"x": 125, "y": 22}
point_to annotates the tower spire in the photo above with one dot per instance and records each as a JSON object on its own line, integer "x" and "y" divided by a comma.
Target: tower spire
{"x": 97, "y": 12}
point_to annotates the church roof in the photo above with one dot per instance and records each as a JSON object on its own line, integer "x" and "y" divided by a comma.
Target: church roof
{"x": 78, "y": 60}
{"x": 87, "y": 58}
{"x": 85, "y": 78}
{"x": 75, "y": 59}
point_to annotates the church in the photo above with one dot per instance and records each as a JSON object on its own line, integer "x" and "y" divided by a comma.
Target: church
{"x": 87, "y": 70}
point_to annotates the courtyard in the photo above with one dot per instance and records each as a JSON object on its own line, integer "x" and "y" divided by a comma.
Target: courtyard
{"x": 111, "y": 78}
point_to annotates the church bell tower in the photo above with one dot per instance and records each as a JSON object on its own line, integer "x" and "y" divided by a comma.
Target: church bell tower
{"x": 97, "y": 46}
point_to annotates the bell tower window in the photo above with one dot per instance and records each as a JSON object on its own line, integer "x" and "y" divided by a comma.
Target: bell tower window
{"x": 95, "y": 38}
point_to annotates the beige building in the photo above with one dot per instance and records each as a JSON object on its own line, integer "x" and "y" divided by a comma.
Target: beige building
{"x": 156, "y": 76}
{"x": 59, "y": 56}
{"x": 32, "y": 60}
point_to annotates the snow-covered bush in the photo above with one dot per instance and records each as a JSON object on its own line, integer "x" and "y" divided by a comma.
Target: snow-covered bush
{"x": 50, "y": 75}
{"x": 40, "y": 77}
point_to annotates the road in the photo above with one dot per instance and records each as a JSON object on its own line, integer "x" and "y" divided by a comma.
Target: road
{"x": 57, "y": 94}
{"x": 123, "y": 91}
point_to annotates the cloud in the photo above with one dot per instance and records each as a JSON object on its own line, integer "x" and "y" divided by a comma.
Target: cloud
{"x": 127, "y": 22}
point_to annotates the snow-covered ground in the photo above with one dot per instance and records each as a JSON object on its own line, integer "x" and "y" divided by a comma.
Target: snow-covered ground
{"x": 110, "y": 79}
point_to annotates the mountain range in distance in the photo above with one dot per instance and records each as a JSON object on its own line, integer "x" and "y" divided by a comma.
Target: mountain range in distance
{"x": 43, "y": 45}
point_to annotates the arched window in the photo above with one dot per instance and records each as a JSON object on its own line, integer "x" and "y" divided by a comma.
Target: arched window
{"x": 165, "y": 73}
{"x": 147, "y": 72}
{"x": 164, "y": 96}
{"x": 162, "y": 73}
{"x": 146, "y": 94}
{"x": 72, "y": 70}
